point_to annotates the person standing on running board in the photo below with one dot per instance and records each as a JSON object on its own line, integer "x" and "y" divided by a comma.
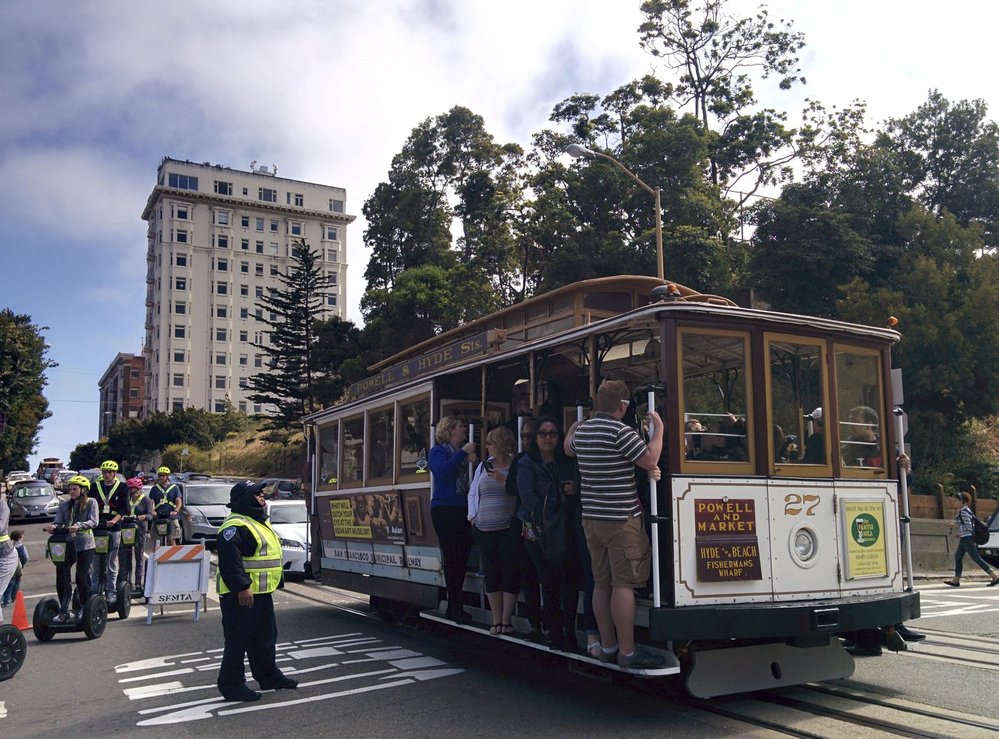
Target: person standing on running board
{"x": 607, "y": 451}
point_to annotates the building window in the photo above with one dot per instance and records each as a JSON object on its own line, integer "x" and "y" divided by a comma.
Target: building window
{"x": 331, "y": 255}
{"x": 331, "y": 300}
{"x": 222, "y": 265}
{"x": 299, "y": 200}
{"x": 178, "y": 380}
{"x": 258, "y": 292}
{"x": 133, "y": 392}
{"x": 221, "y": 311}
{"x": 220, "y": 406}
{"x": 221, "y": 241}
{"x": 274, "y": 226}
{"x": 259, "y": 269}
{"x": 259, "y": 314}
{"x": 179, "y": 332}
{"x": 256, "y": 407}
{"x": 295, "y": 228}
{"x": 246, "y": 191}
{"x": 220, "y": 358}
{"x": 260, "y": 224}
{"x": 336, "y": 206}
{"x": 332, "y": 278}
{"x": 220, "y": 382}
{"x": 178, "y": 404}
{"x": 183, "y": 182}
{"x": 223, "y": 188}
{"x": 222, "y": 217}
{"x": 244, "y": 383}
{"x": 220, "y": 334}
{"x": 242, "y": 406}
{"x": 260, "y": 247}
{"x": 180, "y": 236}
{"x": 181, "y": 260}
{"x": 178, "y": 356}
{"x": 274, "y": 270}
{"x": 244, "y": 290}
{"x": 331, "y": 233}
{"x": 180, "y": 307}
{"x": 222, "y": 288}
{"x": 258, "y": 360}
{"x": 244, "y": 244}
{"x": 244, "y": 267}
{"x": 134, "y": 374}
{"x": 244, "y": 313}
{"x": 180, "y": 283}
{"x": 274, "y": 249}
{"x": 267, "y": 194}
{"x": 243, "y": 336}
{"x": 180, "y": 212}
{"x": 244, "y": 221}
{"x": 243, "y": 360}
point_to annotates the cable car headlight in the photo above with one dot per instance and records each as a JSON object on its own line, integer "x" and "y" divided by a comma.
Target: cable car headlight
{"x": 804, "y": 545}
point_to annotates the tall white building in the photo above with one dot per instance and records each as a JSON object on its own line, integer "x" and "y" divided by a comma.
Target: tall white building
{"x": 218, "y": 239}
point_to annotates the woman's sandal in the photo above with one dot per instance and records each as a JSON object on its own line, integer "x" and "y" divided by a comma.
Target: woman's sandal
{"x": 505, "y": 629}
{"x": 496, "y": 629}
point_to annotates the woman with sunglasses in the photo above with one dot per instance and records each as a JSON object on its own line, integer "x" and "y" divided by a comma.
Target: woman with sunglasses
{"x": 547, "y": 480}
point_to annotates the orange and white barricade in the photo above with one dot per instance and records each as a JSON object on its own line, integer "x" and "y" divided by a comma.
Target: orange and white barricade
{"x": 177, "y": 575}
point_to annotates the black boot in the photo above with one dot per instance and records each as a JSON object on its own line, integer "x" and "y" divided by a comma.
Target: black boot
{"x": 908, "y": 634}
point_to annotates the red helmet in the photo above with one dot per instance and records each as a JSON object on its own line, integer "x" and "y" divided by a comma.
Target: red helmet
{"x": 134, "y": 483}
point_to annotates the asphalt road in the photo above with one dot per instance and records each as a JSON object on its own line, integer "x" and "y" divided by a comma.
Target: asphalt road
{"x": 361, "y": 677}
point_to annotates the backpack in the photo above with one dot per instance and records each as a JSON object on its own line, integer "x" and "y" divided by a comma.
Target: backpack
{"x": 980, "y": 532}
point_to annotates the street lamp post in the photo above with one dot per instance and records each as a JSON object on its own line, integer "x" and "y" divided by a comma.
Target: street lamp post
{"x": 582, "y": 152}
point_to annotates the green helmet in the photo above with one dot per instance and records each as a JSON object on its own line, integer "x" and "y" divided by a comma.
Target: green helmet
{"x": 163, "y": 471}
{"x": 109, "y": 465}
{"x": 80, "y": 480}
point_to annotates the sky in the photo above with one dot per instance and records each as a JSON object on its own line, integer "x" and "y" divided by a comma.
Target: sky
{"x": 95, "y": 94}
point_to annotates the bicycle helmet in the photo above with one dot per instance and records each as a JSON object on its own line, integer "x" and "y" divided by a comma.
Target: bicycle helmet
{"x": 80, "y": 480}
{"x": 109, "y": 465}
{"x": 134, "y": 483}
{"x": 163, "y": 471}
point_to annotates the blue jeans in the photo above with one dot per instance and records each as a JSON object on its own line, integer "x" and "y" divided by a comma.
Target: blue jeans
{"x": 967, "y": 545}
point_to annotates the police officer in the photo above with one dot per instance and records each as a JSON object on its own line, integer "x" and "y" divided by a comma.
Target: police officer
{"x": 112, "y": 501}
{"x": 249, "y": 554}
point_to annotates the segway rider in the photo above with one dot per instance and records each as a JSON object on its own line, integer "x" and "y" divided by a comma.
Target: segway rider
{"x": 169, "y": 492}
{"x": 111, "y": 495}
{"x": 250, "y": 570}
{"x": 80, "y": 515}
{"x": 141, "y": 510}
{"x": 8, "y": 555}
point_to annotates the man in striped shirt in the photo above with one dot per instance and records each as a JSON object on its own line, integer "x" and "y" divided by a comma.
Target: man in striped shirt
{"x": 607, "y": 452}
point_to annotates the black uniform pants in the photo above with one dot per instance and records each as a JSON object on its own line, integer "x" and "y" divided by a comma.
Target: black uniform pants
{"x": 84, "y": 560}
{"x": 251, "y": 632}
{"x": 454, "y": 533}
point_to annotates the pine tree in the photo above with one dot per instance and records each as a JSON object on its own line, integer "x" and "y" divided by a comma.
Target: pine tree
{"x": 289, "y": 383}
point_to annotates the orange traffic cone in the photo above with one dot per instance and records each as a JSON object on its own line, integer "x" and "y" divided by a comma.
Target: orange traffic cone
{"x": 20, "y": 613}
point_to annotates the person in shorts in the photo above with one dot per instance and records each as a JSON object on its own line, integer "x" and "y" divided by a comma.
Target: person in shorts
{"x": 607, "y": 451}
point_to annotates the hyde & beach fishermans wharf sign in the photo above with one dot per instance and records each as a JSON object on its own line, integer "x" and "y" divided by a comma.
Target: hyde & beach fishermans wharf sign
{"x": 726, "y": 540}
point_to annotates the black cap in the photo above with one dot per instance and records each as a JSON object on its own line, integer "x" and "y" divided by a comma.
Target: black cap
{"x": 243, "y": 491}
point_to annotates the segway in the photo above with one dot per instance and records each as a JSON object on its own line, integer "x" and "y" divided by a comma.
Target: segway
{"x": 130, "y": 533}
{"x": 91, "y": 619}
{"x": 162, "y": 523}
{"x": 123, "y": 590}
{"x": 13, "y": 650}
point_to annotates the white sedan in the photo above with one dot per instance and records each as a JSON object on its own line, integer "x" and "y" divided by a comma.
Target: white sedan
{"x": 289, "y": 519}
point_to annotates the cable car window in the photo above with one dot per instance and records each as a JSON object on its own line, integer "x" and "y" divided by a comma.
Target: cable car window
{"x": 352, "y": 464}
{"x": 715, "y": 398}
{"x": 797, "y": 393}
{"x": 414, "y": 436}
{"x": 381, "y": 444}
{"x": 328, "y": 456}
{"x": 858, "y": 393}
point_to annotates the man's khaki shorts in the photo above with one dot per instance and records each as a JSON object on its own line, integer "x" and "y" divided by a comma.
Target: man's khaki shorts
{"x": 619, "y": 551}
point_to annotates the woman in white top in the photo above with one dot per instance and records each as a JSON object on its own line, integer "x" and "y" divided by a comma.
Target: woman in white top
{"x": 491, "y": 510}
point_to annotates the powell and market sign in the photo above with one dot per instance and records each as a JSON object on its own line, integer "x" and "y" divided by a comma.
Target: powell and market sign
{"x": 424, "y": 364}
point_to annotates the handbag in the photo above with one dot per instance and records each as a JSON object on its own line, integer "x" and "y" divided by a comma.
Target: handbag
{"x": 553, "y": 533}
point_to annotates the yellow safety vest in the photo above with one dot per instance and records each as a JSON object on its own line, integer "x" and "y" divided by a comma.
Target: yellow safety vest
{"x": 264, "y": 565}
{"x": 4, "y": 537}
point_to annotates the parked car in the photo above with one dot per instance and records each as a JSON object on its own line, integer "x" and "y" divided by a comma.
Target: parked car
{"x": 95, "y": 474}
{"x": 284, "y": 489}
{"x": 32, "y": 499}
{"x": 17, "y": 476}
{"x": 60, "y": 477}
{"x": 204, "y": 510}
{"x": 990, "y": 550}
{"x": 289, "y": 520}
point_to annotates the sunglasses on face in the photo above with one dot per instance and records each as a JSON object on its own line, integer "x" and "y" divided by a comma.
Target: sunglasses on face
{"x": 548, "y": 434}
